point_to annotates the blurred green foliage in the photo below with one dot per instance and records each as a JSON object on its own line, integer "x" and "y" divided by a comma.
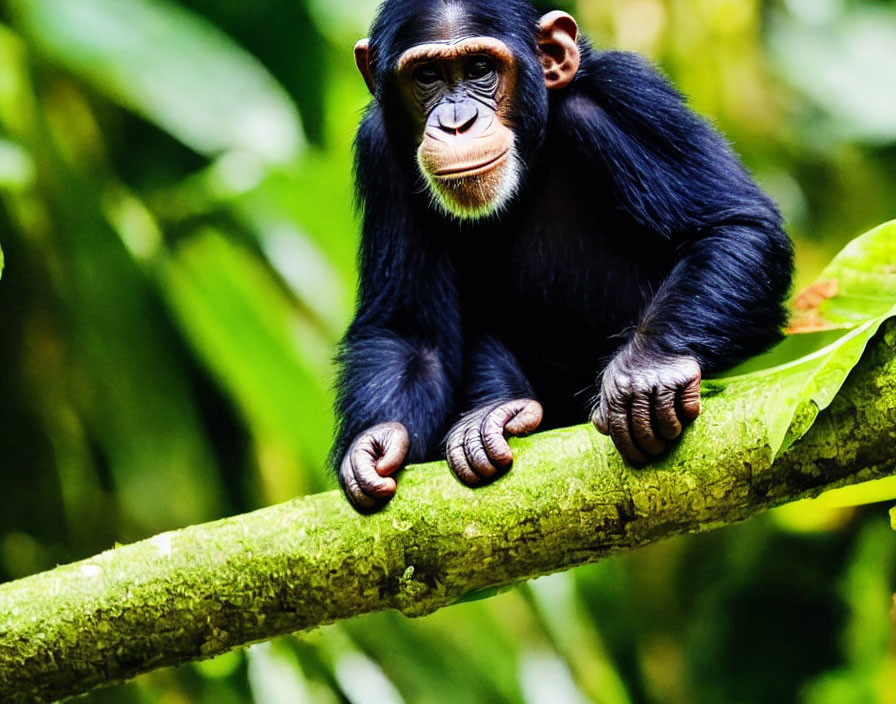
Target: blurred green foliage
{"x": 176, "y": 215}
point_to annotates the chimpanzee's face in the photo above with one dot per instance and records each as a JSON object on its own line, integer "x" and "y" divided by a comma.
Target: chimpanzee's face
{"x": 460, "y": 89}
{"x": 459, "y": 93}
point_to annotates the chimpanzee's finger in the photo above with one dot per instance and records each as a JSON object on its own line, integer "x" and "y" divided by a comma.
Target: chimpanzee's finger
{"x": 620, "y": 432}
{"x": 364, "y": 469}
{"x": 643, "y": 432}
{"x": 601, "y": 417}
{"x": 491, "y": 430}
{"x": 667, "y": 421}
{"x": 517, "y": 417}
{"x": 476, "y": 454}
{"x": 394, "y": 443}
{"x": 455, "y": 453}
{"x": 689, "y": 401}
{"x": 526, "y": 417}
{"x": 356, "y": 496}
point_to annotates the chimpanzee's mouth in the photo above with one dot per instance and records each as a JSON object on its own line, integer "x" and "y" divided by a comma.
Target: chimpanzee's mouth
{"x": 467, "y": 170}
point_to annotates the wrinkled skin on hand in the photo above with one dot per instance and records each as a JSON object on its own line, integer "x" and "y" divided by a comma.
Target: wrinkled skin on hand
{"x": 476, "y": 447}
{"x": 366, "y": 469}
{"x": 646, "y": 400}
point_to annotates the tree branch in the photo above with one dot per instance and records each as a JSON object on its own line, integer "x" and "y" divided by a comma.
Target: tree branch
{"x": 568, "y": 500}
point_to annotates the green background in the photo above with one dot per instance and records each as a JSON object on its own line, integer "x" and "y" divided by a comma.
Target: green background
{"x": 176, "y": 215}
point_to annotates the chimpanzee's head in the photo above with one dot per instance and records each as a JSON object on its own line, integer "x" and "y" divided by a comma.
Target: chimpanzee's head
{"x": 465, "y": 83}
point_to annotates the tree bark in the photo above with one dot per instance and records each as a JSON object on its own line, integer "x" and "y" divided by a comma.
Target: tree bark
{"x": 568, "y": 500}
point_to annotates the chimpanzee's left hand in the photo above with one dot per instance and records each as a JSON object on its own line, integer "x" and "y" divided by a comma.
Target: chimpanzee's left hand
{"x": 476, "y": 447}
{"x": 646, "y": 399}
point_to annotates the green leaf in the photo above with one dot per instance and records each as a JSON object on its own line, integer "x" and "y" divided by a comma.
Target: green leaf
{"x": 866, "y": 272}
{"x": 171, "y": 67}
{"x": 838, "y": 62}
{"x": 129, "y": 381}
{"x": 874, "y": 492}
{"x": 344, "y": 19}
{"x": 414, "y": 653}
{"x": 16, "y": 167}
{"x": 805, "y": 372}
{"x": 265, "y": 352}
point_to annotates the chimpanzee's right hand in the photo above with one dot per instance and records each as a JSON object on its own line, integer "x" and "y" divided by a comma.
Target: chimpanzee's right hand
{"x": 366, "y": 469}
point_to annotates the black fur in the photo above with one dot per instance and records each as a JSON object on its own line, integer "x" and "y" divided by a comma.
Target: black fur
{"x": 634, "y": 217}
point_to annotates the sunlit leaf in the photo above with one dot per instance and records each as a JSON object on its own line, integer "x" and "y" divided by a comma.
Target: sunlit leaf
{"x": 120, "y": 402}
{"x": 289, "y": 42}
{"x": 292, "y": 196}
{"x": 266, "y": 354}
{"x": 471, "y": 638}
{"x": 16, "y": 166}
{"x": 804, "y": 373}
{"x": 315, "y": 255}
{"x": 222, "y": 666}
{"x": 275, "y": 675}
{"x": 861, "y": 494}
{"x": 171, "y": 67}
{"x": 555, "y": 602}
{"x": 134, "y": 390}
{"x": 17, "y": 105}
{"x": 839, "y": 60}
{"x": 344, "y": 19}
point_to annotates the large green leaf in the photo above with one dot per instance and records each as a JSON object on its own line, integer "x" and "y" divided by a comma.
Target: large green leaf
{"x": 802, "y": 375}
{"x": 118, "y": 405}
{"x": 171, "y": 67}
{"x": 268, "y": 355}
{"x": 834, "y": 55}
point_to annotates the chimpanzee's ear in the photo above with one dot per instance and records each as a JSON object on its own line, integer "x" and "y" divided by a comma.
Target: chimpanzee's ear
{"x": 558, "y": 49}
{"x": 363, "y": 61}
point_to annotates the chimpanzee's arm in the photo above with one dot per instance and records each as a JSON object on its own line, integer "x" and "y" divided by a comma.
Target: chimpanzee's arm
{"x": 500, "y": 402}
{"x": 723, "y": 300}
{"x": 400, "y": 359}
{"x": 491, "y": 374}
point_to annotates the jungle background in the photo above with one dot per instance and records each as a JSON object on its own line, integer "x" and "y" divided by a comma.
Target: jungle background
{"x": 176, "y": 215}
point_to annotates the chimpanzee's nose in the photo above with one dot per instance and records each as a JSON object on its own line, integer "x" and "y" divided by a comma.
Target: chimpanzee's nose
{"x": 457, "y": 118}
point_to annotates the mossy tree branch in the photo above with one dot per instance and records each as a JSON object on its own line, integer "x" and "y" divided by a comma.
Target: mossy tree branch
{"x": 568, "y": 500}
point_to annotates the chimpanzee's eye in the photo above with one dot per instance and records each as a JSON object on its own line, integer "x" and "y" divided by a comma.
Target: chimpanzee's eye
{"x": 426, "y": 75}
{"x": 480, "y": 67}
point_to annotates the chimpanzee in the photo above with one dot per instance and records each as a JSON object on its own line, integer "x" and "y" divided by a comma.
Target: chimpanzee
{"x": 548, "y": 230}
